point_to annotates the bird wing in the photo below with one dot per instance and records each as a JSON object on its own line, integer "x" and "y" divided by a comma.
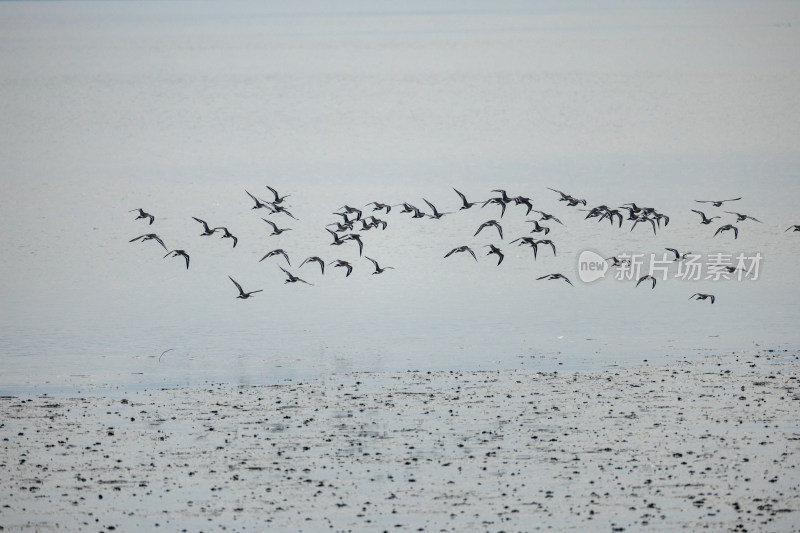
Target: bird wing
{"x": 157, "y": 238}
{"x": 499, "y": 228}
{"x": 237, "y": 285}
{"x": 472, "y": 253}
{"x": 274, "y": 192}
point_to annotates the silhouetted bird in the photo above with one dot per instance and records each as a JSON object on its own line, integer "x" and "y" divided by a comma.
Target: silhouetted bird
{"x": 556, "y": 276}
{"x": 701, "y": 296}
{"x": 727, "y": 227}
{"x": 176, "y": 253}
{"x": 142, "y": 214}
{"x": 243, "y": 295}
{"x": 148, "y": 237}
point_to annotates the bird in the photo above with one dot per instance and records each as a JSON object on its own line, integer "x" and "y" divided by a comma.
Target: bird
{"x": 795, "y": 227}
{"x": 617, "y": 262}
{"x": 495, "y": 250}
{"x": 243, "y": 295}
{"x": 537, "y": 227}
{"x": 314, "y": 259}
{"x": 659, "y": 217}
{"x": 277, "y": 251}
{"x": 275, "y": 229}
{"x": 148, "y": 237}
{"x": 142, "y": 214}
{"x": 355, "y": 237}
{"x": 176, "y": 253}
{"x": 375, "y": 222}
{"x": 407, "y": 208}
{"x": 378, "y": 206}
{"x": 678, "y": 255}
{"x": 490, "y": 223}
{"x": 348, "y": 209}
{"x": 643, "y": 218}
{"x": 464, "y": 203}
{"x": 727, "y": 227}
{"x": 556, "y": 276}
{"x": 701, "y": 296}
{"x": 546, "y": 241}
{"x": 278, "y": 198}
{"x": 546, "y": 216}
{"x": 337, "y": 241}
{"x": 342, "y": 263}
{"x": 504, "y": 196}
{"x": 461, "y": 249}
{"x": 378, "y": 269}
{"x": 291, "y": 278}
{"x": 206, "y": 229}
{"x": 498, "y": 201}
{"x": 227, "y": 235}
{"x": 522, "y": 200}
{"x": 718, "y": 203}
{"x": 741, "y": 218}
{"x": 280, "y": 209}
{"x": 705, "y": 219}
{"x": 436, "y": 214}
{"x": 259, "y": 203}
{"x": 647, "y": 277}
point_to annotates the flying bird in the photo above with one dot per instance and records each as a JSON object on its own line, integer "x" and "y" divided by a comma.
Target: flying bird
{"x": 291, "y": 278}
{"x": 647, "y": 277}
{"x": 556, "y": 276}
{"x": 314, "y": 259}
{"x": 278, "y": 198}
{"x": 277, "y": 251}
{"x": 259, "y": 203}
{"x": 538, "y": 228}
{"x": 462, "y": 249}
{"x": 546, "y": 216}
{"x": 243, "y": 295}
{"x": 490, "y": 223}
{"x": 206, "y": 229}
{"x": 495, "y": 250}
{"x": 498, "y": 201}
{"x": 464, "y": 203}
{"x": 148, "y": 237}
{"x": 176, "y": 253}
{"x": 355, "y": 237}
{"x": 718, "y": 203}
{"x": 142, "y": 214}
{"x": 378, "y": 269}
{"x": 617, "y": 262}
{"x": 727, "y": 227}
{"x": 378, "y": 206}
{"x": 795, "y": 227}
{"x": 705, "y": 219}
{"x": 275, "y": 229}
{"x": 348, "y": 209}
{"x": 227, "y": 235}
{"x": 678, "y": 255}
{"x": 344, "y": 264}
{"x": 436, "y": 214}
{"x": 741, "y": 218}
{"x": 701, "y": 296}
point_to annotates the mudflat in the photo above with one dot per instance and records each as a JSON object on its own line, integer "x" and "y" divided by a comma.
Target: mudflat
{"x": 706, "y": 443}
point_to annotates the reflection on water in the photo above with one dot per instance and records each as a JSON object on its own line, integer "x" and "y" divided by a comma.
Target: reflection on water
{"x": 332, "y": 115}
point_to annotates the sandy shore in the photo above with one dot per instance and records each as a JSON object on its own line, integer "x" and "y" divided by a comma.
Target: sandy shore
{"x": 711, "y": 444}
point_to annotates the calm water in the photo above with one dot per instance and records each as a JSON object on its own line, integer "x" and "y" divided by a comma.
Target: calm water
{"x": 178, "y": 108}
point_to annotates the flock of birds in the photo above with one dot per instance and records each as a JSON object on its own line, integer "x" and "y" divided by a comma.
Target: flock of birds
{"x": 344, "y": 230}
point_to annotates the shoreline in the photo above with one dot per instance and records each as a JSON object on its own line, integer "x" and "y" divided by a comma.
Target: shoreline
{"x": 676, "y": 446}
